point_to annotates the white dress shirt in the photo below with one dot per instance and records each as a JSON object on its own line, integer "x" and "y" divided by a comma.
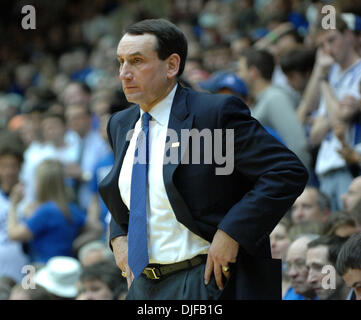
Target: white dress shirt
{"x": 342, "y": 82}
{"x": 169, "y": 241}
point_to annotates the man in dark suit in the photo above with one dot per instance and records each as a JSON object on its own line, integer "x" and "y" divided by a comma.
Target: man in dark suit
{"x": 205, "y": 231}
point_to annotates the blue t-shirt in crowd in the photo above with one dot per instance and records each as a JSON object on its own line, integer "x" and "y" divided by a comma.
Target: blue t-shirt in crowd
{"x": 53, "y": 233}
{"x": 292, "y": 295}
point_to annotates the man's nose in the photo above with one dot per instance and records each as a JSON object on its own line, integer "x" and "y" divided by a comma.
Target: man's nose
{"x": 311, "y": 278}
{"x": 124, "y": 72}
{"x": 292, "y": 272}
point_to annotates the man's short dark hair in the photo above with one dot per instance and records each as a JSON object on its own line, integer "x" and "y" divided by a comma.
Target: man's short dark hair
{"x": 105, "y": 271}
{"x": 332, "y": 242}
{"x": 170, "y": 39}
{"x": 11, "y": 144}
{"x": 355, "y": 212}
{"x": 262, "y": 60}
{"x": 340, "y": 24}
{"x": 350, "y": 254}
{"x": 50, "y": 114}
{"x": 336, "y": 220}
{"x": 298, "y": 59}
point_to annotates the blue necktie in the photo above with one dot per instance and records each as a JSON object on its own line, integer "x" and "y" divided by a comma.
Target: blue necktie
{"x": 138, "y": 257}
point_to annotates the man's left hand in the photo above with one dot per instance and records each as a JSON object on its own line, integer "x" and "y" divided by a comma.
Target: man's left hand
{"x": 223, "y": 251}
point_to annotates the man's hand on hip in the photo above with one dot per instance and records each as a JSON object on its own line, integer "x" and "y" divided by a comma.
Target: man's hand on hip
{"x": 223, "y": 251}
{"x": 120, "y": 250}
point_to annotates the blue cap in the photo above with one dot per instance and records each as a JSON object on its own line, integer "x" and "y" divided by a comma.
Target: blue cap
{"x": 224, "y": 79}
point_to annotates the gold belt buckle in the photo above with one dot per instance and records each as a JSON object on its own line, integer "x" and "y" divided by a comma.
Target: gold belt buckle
{"x": 150, "y": 273}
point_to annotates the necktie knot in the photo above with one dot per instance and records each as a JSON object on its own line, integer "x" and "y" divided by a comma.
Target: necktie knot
{"x": 146, "y": 117}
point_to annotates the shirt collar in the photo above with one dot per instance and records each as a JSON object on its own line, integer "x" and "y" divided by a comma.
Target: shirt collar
{"x": 161, "y": 111}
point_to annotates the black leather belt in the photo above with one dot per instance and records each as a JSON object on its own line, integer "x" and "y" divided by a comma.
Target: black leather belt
{"x": 157, "y": 271}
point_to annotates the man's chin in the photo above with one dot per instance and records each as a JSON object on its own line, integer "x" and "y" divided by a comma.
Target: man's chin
{"x": 306, "y": 292}
{"x": 299, "y": 289}
{"x": 132, "y": 98}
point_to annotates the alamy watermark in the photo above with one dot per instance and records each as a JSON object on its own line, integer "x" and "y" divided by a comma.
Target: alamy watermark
{"x": 218, "y": 148}
{"x": 29, "y": 20}
{"x": 328, "y": 21}
{"x": 329, "y": 278}
{"x": 28, "y": 280}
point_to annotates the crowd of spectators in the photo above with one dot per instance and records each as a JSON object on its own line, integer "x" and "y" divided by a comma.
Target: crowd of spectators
{"x": 59, "y": 85}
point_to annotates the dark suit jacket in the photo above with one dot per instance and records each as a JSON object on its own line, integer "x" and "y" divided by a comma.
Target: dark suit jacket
{"x": 246, "y": 204}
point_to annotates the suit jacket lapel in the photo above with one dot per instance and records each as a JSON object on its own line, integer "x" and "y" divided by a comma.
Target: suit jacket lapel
{"x": 108, "y": 187}
{"x": 179, "y": 119}
{"x": 124, "y": 135}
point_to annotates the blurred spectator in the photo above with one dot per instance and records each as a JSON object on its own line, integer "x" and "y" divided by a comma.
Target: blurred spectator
{"x": 12, "y": 257}
{"x": 353, "y": 22}
{"x": 97, "y": 207}
{"x": 312, "y": 204}
{"x": 93, "y": 149}
{"x": 30, "y": 130}
{"x": 76, "y": 93}
{"x": 224, "y": 82}
{"x": 38, "y": 293}
{"x": 94, "y": 252}
{"x": 297, "y": 271}
{"x": 272, "y": 107}
{"x": 287, "y": 41}
{"x": 57, "y": 143}
{"x": 352, "y": 195}
{"x": 356, "y": 215}
{"x": 218, "y": 57}
{"x": 305, "y": 227}
{"x": 194, "y": 71}
{"x": 297, "y": 65}
{"x": 247, "y": 16}
{"x": 102, "y": 281}
{"x": 5, "y": 291}
{"x": 100, "y": 102}
{"x": 349, "y": 265}
{"x": 6, "y": 284}
{"x": 59, "y": 277}
{"x": 280, "y": 240}
{"x": 336, "y": 79}
{"x": 54, "y": 225}
{"x": 340, "y": 224}
{"x": 322, "y": 252}
{"x": 9, "y": 107}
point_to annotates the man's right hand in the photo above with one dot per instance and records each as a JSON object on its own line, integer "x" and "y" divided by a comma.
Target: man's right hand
{"x": 120, "y": 251}
{"x": 323, "y": 62}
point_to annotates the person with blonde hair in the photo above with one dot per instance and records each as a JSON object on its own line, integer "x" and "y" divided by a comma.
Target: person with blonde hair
{"x": 56, "y": 223}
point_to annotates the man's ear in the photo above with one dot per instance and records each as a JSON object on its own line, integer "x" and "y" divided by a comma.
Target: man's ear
{"x": 173, "y": 63}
